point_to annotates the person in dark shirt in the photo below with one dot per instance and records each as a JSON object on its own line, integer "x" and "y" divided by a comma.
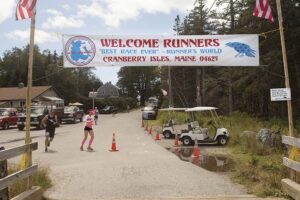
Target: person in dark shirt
{"x": 49, "y": 121}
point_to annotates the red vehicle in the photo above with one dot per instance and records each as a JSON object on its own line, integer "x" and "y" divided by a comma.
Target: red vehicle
{"x": 8, "y": 117}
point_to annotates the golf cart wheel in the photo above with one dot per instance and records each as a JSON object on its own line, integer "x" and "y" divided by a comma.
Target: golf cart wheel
{"x": 187, "y": 141}
{"x": 167, "y": 134}
{"x": 5, "y": 126}
{"x": 222, "y": 140}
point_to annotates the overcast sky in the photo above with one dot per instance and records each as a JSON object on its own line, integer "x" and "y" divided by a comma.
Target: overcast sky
{"x": 90, "y": 17}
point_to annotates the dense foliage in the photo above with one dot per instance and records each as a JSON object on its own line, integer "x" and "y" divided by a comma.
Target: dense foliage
{"x": 241, "y": 88}
{"x": 72, "y": 84}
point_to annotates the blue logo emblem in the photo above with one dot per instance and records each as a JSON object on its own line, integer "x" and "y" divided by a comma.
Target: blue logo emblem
{"x": 242, "y": 49}
{"x": 80, "y": 50}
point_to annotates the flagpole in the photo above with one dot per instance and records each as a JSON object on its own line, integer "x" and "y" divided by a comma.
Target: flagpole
{"x": 28, "y": 157}
{"x": 285, "y": 65}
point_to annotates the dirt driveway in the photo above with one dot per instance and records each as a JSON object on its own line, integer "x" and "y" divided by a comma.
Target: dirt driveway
{"x": 141, "y": 169}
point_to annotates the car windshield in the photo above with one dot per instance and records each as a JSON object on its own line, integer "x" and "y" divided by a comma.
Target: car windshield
{"x": 4, "y": 113}
{"x": 68, "y": 109}
{"x": 107, "y": 107}
{"x": 37, "y": 110}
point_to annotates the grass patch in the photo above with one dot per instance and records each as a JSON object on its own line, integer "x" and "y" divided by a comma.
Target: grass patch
{"x": 257, "y": 167}
{"x": 40, "y": 178}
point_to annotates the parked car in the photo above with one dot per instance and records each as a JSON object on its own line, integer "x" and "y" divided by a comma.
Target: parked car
{"x": 37, "y": 113}
{"x": 71, "y": 114}
{"x": 108, "y": 110}
{"x": 36, "y": 116}
{"x": 8, "y": 117}
{"x": 149, "y": 112}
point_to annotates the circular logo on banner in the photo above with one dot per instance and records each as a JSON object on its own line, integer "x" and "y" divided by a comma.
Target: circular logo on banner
{"x": 80, "y": 50}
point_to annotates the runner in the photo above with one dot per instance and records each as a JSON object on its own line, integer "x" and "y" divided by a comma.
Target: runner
{"x": 88, "y": 129}
{"x": 49, "y": 121}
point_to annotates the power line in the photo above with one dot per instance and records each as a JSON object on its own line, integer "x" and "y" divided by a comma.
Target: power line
{"x": 43, "y": 77}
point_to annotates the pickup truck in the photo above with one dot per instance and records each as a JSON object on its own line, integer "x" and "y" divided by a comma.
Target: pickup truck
{"x": 71, "y": 114}
{"x": 37, "y": 113}
{"x": 108, "y": 110}
{"x": 8, "y": 117}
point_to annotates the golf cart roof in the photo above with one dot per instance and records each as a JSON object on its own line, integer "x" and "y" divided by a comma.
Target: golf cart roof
{"x": 172, "y": 109}
{"x": 200, "y": 109}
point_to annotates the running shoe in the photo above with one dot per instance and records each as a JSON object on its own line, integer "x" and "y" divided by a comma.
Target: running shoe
{"x": 90, "y": 149}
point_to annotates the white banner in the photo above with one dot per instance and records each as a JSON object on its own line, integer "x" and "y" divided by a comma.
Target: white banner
{"x": 192, "y": 50}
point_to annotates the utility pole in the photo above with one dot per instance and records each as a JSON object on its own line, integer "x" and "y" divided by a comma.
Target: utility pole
{"x": 93, "y": 99}
{"x": 285, "y": 65}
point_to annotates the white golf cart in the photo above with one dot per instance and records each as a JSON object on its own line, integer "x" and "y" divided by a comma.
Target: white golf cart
{"x": 200, "y": 133}
{"x": 171, "y": 128}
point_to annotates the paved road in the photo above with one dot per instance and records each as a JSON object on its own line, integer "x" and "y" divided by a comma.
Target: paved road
{"x": 141, "y": 169}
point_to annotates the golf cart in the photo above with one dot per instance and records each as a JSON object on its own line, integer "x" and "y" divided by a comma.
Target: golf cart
{"x": 171, "y": 128}
{"x": 200, "y": 133}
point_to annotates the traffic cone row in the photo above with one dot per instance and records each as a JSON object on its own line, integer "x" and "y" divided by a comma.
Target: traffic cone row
{"x": 113, "y": 144}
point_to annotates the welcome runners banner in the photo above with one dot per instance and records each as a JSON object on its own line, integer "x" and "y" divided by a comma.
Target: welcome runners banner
{"x": 193, "y": 50}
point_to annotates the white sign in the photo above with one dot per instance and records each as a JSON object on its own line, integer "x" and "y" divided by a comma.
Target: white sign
{"x": 280, "y": 94}
{"x": 192, "y": 50}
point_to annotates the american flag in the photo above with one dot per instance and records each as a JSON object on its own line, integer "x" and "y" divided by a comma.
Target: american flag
{"x": 25, "y": 9}
{"x": 262, "y": 9}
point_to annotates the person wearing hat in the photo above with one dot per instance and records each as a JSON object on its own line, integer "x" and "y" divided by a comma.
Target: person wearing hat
{"x": 88, "y": 130}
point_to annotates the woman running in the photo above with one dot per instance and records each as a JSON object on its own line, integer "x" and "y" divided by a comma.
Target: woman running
{"x": 88, "y": 129}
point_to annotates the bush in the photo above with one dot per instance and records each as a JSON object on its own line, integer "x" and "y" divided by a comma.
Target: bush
{"x": 40, "y": 178}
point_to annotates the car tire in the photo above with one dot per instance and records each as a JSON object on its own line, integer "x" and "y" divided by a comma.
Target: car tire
{"x": 21, "y": 127}
{"x": 81, "y": 119}
{"x": 167, "y": 134}
{"x": 5, "y": 126}
{"x": 222, "y": 140}
{"x": 74, "y": 120}
{"x": 187, "y": 141}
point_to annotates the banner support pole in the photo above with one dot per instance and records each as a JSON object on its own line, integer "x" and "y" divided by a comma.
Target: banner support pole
{"x": 28, "y": 154}
{"x": 285, "y": 65}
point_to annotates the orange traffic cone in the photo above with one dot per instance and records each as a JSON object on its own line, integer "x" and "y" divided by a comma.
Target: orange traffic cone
{"x": 176, "y": 141}
{"x": 113, "y": 145}
{"x": 196, "y": 152}
{"x": 157, "y": 136}
{"x": 150, "y": 130}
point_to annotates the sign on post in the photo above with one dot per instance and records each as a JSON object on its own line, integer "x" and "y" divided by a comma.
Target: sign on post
{"x": 189, "y": 50}
{"x": 280, "y": 94}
